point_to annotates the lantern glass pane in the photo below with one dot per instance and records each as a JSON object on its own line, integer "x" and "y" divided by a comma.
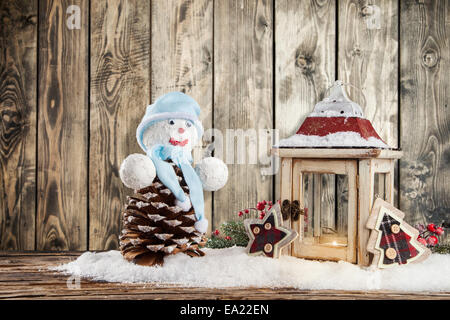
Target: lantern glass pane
{"x": 379, "y": 188}
{"x": 326, "y": 198}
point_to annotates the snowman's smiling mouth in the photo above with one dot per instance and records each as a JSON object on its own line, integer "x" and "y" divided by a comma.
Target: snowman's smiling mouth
{"x": 178, "y": 143}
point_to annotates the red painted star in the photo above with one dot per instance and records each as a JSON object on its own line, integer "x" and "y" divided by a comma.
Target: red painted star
{"x": 267, "y": 236}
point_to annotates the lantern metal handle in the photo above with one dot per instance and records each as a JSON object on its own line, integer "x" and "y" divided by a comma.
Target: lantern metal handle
{"x": 342, "y": 84}
{"x": 291, "y": 209}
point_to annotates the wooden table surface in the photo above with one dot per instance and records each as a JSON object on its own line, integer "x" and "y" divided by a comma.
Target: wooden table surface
{"x": 25, "y": 275}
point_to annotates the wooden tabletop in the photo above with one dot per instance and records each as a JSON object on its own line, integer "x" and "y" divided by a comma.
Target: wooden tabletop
{"x": 26, "y": 276}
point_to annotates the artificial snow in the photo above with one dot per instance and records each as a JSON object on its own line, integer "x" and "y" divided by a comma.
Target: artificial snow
{"x": 232, "y": 267}
{"x": 338, "y": 139}
{"x": 337, "y": 112}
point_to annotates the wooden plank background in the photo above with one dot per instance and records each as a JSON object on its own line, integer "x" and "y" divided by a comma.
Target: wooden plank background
{"x": 70, "y": 99}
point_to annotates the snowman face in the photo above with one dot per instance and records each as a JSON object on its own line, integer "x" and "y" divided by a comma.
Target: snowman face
{"x": 175, "y": 132}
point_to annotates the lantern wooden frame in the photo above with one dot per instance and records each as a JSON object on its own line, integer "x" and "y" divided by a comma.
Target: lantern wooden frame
{"x": 361, "y": 166}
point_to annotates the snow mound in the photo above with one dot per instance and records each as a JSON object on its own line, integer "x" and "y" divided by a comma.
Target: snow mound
{"x": 338, "y": 139}
{"x": 232, "y": 267}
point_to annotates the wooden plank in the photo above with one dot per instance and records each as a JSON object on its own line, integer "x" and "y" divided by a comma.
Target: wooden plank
{"x": 41, "y": 283}
{"x": 182, "y": 58}
{"x": 324, "y": 166}
{"x": 305, "y": 61}
{"x": 352, "y": 215}
{"x": 390, "y": 184}
{"x": 337, "y": 153}
{"x": 296, "y": 189}
{"x": 368, "y": 59}
{"x": 308, "y": 204}
{"x": 288, "y": 182}
{"x": 342, "y": 204}
{"x": 317, "y": 194}
{"x": 327, "y": 195}
{"x": 120, "y": 92}
{"x": 63, "y": 128}
{"x": 365, "y": 201}
{"x": 242, "y": 98}
{"x": 18, "y": 43}
{"x": 425, "y": 122}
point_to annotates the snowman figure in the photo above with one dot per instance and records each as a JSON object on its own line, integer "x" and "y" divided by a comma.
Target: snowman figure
{"x": 169, "y": 130}
{"x": 168, "y": 189}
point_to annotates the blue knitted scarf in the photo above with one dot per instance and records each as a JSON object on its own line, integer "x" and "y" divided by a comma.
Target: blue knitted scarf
{"x": 165, "y": 172}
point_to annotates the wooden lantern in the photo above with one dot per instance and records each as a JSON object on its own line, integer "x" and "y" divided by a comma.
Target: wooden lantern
{"x": 335, "y": 149}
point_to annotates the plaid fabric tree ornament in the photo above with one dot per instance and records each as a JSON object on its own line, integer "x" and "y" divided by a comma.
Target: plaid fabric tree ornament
{"x": 392, "y": 241}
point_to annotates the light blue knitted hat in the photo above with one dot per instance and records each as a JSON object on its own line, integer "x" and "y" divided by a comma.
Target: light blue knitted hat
{"x": 173, "y": 105}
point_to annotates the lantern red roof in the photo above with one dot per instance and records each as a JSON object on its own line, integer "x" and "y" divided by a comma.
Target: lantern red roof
{"x": 335, "y": 122}
{"x": 322, "y": 126}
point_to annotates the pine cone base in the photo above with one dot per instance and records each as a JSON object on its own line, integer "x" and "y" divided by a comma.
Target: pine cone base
{"x": 154, "y": 227}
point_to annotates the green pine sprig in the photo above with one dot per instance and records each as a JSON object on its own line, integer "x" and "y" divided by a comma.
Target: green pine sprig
{"x": 231, "y": 233}
{"x": 441, "y": 249}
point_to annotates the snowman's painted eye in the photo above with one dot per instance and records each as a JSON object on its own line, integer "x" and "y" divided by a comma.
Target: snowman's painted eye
{"x": 188, "y": 124}
{"x": 171, "y": 122}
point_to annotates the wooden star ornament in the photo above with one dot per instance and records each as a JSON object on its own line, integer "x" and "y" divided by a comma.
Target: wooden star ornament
{"x": 267, "y": 236}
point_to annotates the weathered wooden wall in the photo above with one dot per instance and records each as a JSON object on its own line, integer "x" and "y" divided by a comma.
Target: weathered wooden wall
{"x": 70, "y": 99}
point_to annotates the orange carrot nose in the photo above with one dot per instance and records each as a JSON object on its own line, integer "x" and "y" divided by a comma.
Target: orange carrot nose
{"x": 180, "y": 130}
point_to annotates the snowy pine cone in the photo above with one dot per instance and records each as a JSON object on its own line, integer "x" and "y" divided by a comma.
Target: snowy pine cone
{"x": 154, "y": 226}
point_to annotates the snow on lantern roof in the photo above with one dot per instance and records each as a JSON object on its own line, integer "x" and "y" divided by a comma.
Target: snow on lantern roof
{"x": 336, "y": 121}
{"x": 337, "y": 104}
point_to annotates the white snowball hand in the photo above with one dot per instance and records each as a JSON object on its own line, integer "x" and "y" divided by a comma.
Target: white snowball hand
{"x": 213, "y": 173}
{"x": 137, "y": 171}
{"x": 201, "y": 226}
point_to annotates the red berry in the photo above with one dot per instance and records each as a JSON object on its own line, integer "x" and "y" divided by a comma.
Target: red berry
{"x": 270, "y": 203}
{"x": 246, "y": 211}
{"x": 422, "y": 240}
{"x": 431, "y": 227}
{"x": 260, "y": 206}
{"x": 439, "y": 231}
{"x": 228, "y": 237}
{"x": 240, "y": 213}
{"x": 432, "y": 240}
{"x": 262, "y": 215}
{"x": 216, "y": 232}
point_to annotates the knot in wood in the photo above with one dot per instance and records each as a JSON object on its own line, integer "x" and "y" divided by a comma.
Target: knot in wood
{"x": 207, "y": 56}
{"x": 356, "y": 51}
{"x": 305, "y": 63}
{"x": 263, "y": 22}
{"x": 430, "y": 58}
{"x": 31, "y": 20}
{"x": 367, "y": 11}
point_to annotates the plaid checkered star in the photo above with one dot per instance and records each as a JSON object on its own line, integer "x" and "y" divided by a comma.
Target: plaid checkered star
{"x": 267, "y": 236}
